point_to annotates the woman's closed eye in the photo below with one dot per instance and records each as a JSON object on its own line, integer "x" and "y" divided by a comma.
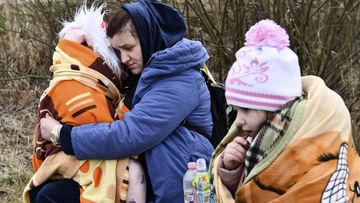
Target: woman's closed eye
{"x": 127, "y": 48}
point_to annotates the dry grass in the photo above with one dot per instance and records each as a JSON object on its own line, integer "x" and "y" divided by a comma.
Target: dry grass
{"x": 26, "y": 43}
{"x": 27, "y": 39}
{"x": 325, "y": 35}
{"x": 327, "y": 44}
{"x": 17, "y": 112}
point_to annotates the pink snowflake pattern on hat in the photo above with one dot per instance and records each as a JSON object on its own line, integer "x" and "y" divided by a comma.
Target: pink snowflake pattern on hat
{"x": 255, "y": 68}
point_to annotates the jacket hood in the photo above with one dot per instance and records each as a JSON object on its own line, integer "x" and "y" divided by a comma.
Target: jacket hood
{"x": 158, "y": 25}
{"x": 184, "y": 55}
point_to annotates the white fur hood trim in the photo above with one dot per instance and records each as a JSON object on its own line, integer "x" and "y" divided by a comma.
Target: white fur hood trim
{"x": 90, "y": 20}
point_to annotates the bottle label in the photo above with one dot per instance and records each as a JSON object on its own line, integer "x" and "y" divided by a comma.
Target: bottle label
{"x": 202, "y": 185}
{"x": 203, "y": 179}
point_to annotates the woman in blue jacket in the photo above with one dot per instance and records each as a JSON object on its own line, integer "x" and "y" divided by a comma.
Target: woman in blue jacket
{"x": 164, "y": 88}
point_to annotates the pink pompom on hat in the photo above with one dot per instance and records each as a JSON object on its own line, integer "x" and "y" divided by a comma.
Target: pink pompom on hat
{"x": 266, "y": 73}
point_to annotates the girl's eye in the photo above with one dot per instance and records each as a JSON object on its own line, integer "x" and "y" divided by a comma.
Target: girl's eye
{"x": 244, "y": 110}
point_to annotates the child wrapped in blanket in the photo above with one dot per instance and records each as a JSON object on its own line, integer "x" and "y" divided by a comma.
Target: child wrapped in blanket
{"x": 84, "y": 89}
{"x": 291, "y": 140}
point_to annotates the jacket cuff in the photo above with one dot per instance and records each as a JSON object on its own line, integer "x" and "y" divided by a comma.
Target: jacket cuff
{"x": 65, "y": 139}
{"x": 231, "y": 178}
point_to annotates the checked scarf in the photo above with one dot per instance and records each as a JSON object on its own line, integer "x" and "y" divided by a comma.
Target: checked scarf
{"x": 311, "y": 158}
{"x": 270, "y": 134}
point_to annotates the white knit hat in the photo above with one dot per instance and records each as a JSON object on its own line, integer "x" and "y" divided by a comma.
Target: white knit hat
{"x": 266, "y": 73}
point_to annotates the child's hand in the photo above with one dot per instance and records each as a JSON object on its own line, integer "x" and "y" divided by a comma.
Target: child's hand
{"x": 234, "y": 153}
{"x": 79, "y": 36}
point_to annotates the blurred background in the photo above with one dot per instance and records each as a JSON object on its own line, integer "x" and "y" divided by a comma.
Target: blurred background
{"x": 324, "y": 33}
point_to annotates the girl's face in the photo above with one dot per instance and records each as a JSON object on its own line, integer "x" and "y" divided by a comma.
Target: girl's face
{"x": 250, "y": 120}
{"x": 130, "y": 50}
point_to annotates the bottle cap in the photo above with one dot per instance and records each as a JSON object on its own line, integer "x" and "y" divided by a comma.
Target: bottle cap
{"x": 191, "y": 165}
{"x": 201, "y": 164}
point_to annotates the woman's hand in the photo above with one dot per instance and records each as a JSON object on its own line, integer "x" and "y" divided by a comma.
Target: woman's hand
{"x": 234, "y": 153}
{"x": 47, "y": 124}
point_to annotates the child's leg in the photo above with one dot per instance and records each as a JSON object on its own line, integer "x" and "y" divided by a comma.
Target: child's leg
{"x": 137, "y": 183}
{"x": 64, "y": 190}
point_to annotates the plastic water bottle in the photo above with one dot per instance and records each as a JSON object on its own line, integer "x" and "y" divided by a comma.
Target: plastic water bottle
{"x": 202, "y": 182}
{"x": 212, "y": 193}
{"x": 189, "y": 190}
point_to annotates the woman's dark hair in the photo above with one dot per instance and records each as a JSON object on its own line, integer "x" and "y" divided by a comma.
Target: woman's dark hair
{"x": 118, "y": 22}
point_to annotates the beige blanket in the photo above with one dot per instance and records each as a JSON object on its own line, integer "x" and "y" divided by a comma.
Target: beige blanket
{"x": 315, "y": 161}
{"x": 83, "y": 90}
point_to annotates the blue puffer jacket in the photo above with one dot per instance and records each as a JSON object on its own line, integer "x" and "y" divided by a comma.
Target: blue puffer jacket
{"x": 170, "y": 90}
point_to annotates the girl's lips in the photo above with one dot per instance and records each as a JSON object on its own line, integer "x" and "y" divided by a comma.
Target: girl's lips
{"x": 247, "y": 133}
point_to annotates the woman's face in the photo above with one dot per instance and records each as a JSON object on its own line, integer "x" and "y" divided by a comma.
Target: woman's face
{"x": 130, "y": 50}
{"x": 250, "y": 120}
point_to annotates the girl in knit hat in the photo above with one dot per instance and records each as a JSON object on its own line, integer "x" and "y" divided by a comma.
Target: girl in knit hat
{"x": 291, "y": 140}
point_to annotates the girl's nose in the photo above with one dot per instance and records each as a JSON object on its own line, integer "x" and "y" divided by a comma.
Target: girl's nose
{"x": 240, "y": 121}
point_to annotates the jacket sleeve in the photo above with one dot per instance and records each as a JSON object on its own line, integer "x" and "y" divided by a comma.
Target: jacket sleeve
{"x": 231, "y": 178}
{"x": 161, "y": 109}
